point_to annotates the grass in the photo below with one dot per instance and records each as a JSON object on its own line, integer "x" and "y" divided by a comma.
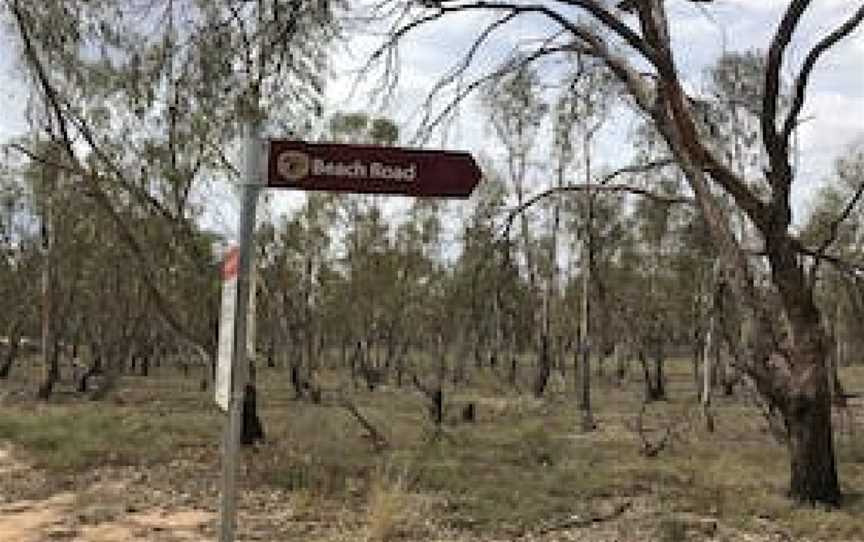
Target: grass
{"x": 75, "y": 438}
{"x": 523, "y": 464}
{"x": 391, "y": 508}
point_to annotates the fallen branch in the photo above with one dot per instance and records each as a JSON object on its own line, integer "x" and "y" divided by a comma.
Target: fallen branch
{"x": 379, "y": 441}
{"x": 576, "y": 522}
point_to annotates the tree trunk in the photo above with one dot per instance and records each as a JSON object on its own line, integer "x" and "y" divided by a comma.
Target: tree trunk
{"x": 659, "y": 377}
{"x": 544, "y": 367}
{"x": 562, "y": 356}
{"x": 587, "y": 417}
{"x": 252, "y": 430}
{"x": 112, "y": 368}
{"x": 813, "y": 472}
{"x": 271, "y": 352}
{"x": 82, "y": 384}
{"x": 11, "y": 353}
{"x": 835, "y": 387}
{"x": 646, "y": 375}
{"x": 697, "y": 358}
{"x": 620, "y": 368}
{"x": 707, "y": 370}
{"x": 585, "y": 332}
{"x": 52, "y": 372}
{"x": 514, "y": 369}
{"x": 719, "y": 367}
{"x": 400, "y": 364}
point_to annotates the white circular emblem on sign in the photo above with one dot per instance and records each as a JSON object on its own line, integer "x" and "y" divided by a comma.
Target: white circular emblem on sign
{"x": 293, "y": 165}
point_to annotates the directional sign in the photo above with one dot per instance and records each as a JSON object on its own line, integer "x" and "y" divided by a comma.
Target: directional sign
{"x": 368, "y": 169}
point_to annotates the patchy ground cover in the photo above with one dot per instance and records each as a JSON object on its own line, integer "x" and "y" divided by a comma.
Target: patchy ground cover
{"x": 143, "y": 465}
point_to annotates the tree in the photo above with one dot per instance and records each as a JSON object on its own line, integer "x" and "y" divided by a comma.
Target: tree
{"x": 837, "y": 218}
{"x": 142, "y": 115}
{"x": 786, "y": 357}
{"x": 516, "y": 110}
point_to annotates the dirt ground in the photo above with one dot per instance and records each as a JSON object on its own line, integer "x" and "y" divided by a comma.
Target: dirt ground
{"x": 124, "y": 505}
{"x": 65, "y": 514}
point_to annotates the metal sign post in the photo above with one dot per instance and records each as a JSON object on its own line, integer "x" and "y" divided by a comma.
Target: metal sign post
{"x": 239, "y": 356}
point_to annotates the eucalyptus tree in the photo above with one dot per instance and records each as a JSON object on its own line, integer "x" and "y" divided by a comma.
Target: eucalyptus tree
{"x": 19, "y": 260}
{"x": 591, "y": 98}
{"x": 731, "y": 124}
{"x": 45, "y": 182}
{"x": 516, "y": 110}
{"x": 785, "y": 356}
{"x": 294, "y": 253}
{"x": 365, "y": 244}
{"x": 145, "y": 101}
{"x": 478, "y": 271}
{"x": 837, "y": 215}
{"x": 423, "y": 285}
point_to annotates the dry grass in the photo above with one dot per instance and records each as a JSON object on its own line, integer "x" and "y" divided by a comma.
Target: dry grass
{"x": 522, "y": 465}
{"x": 390, "y": 508}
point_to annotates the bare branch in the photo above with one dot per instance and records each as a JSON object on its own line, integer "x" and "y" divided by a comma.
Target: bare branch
{"x": 101, "y": 198}
{"x": 604, "y": 16}
{"x": 430, "y": 122}
{"x": 834, "y": 227}
{"x": 779, "y": 43}
{"x": 602, "y": 186}
{"x": 466, "y": 60}
{"x": 379, "y": 441}
{"x": 801, "y": 83}
{"x": 578, "y": 522}
{"x": 670, "y": 91}
{"x": 618, "y": 26}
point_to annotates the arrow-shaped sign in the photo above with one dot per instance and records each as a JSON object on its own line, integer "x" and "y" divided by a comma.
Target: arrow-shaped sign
{"x": 369, "y": 169}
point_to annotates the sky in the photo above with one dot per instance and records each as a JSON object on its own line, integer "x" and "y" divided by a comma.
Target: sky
{"x": 834, "y": 107}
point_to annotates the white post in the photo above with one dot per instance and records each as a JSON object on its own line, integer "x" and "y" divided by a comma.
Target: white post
{"x": 239, "y": 359}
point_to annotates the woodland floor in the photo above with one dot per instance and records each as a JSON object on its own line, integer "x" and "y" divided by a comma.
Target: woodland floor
{"x": 144, "y": 465}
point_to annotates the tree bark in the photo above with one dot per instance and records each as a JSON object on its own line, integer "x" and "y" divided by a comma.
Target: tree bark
{"x": 813, "y": 472}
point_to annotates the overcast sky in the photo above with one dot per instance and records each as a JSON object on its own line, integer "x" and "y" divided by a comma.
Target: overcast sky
{"x": 835, "y": 101}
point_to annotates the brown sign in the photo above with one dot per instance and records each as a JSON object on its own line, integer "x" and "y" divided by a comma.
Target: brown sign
{"x": 368, "y": 169}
